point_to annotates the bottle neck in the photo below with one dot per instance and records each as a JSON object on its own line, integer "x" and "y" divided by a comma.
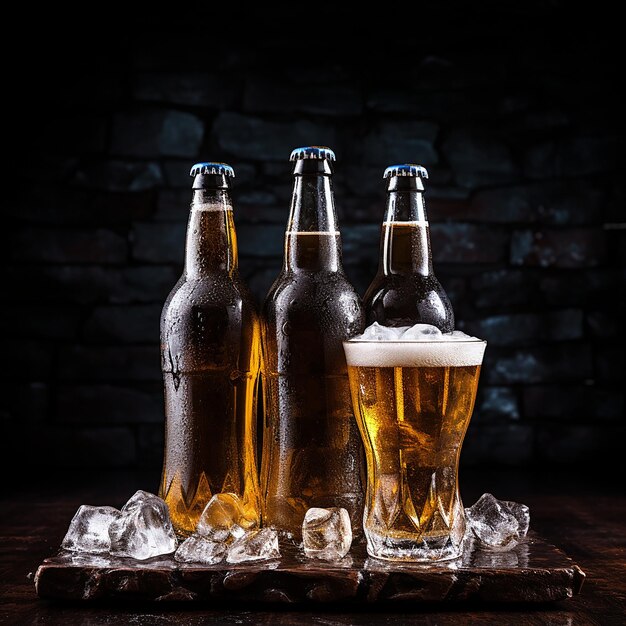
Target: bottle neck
{"x": 211, "y": 240}
{"x": 405, "y": 236}
{"x": 312, "y": 239}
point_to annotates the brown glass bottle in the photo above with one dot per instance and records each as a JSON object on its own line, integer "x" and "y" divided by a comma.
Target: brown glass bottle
{"x": 405, "y": 290}
{"x": 312, "y": 451}
{"x": 211, "y": 353}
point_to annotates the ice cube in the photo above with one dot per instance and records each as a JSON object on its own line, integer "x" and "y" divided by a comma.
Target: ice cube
{"x": 223, "y": 518}
{"x": 89, "y": 529}
{"x": 138, "y": 499}
{"x": 200, "y": 549}
{"x": 521, "y": 513}
{"x": 376, "y": 332}
{"x": 495, "y": 523}
{"x": 143, "y": 529}
{"x": 421, "y": 332}
{"x": 254, "y": 545}
{"x": 326, "y": 533}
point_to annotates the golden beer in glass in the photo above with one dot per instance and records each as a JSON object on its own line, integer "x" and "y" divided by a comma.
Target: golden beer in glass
{"x": 413, "y": 401}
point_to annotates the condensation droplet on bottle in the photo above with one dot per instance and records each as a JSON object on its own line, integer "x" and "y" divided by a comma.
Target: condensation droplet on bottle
{"x": 175, "y": 365}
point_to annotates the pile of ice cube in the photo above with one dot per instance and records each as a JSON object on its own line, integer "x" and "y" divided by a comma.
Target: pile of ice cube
{"x": 417, "y": 332}
{"x": 142, "y": 529}
{"x": 224, "y": 532}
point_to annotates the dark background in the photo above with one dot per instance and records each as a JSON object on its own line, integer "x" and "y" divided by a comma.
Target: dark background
{"x": 514, "y": 109}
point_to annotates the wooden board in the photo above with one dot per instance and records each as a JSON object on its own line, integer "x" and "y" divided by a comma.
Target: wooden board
{"x": 534, "y": 571}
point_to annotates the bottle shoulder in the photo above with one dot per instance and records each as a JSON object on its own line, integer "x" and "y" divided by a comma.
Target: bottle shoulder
{"x": 310, "y": 287}
{"x": 220, "y": 289}
{"x": 400, "y": 300}
{"x": 316, "y": 302}
{"x": 390, "y": 282}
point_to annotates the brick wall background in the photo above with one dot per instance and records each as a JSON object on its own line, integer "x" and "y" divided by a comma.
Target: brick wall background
{"x": 513, "y": 113}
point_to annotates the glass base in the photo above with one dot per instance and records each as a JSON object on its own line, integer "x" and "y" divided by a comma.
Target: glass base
{"x": 426, "y": 550}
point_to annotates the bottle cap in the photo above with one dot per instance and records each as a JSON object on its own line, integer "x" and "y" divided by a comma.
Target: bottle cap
{"x": 312, "y": 152}
{"x": 406, "y": 169}
{"x": 212, "y": 168}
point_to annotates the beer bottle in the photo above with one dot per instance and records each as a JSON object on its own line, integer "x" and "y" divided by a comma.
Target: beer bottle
{"x": 405, "y": 290}
{"x": 312, "y": 452}
{"x": 211, "y": 354}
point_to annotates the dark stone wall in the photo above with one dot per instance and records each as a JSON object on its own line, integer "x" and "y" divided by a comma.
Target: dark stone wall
{"x": 511, "y": 107}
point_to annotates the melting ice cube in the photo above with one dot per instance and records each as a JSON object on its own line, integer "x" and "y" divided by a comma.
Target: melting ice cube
{"x": 421, "y": 332}
{"x": 327, "y": 533}
{"x": 376, "y": 332}
{"x": 200, "y": 549}
{"x": 497, "y": 524}
{"x": 89, "y": 529}
{"x": 223, "y": 518}
{"x": 254, "y": 545}
{"x": 143, "y": 529}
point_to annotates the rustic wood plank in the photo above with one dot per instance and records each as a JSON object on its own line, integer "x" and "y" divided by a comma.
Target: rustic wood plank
{"x": 534, "y": 571}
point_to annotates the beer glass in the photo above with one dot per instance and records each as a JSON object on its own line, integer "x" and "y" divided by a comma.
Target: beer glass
{"x": 413, "y": 400}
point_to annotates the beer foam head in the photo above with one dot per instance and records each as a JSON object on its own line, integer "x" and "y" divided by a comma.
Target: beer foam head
{"x": 421, "y": 345}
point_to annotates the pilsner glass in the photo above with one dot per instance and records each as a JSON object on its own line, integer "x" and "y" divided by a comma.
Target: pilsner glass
{"x": 413, "y": 401}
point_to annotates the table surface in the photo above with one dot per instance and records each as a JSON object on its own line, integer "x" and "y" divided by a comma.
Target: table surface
{"x": 582, "y": 516}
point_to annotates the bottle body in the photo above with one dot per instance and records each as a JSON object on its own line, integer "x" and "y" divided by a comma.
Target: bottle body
{"x": 312, "y": 451}
{"x": 211, "y": 353}
{"x": 405, "y": 290}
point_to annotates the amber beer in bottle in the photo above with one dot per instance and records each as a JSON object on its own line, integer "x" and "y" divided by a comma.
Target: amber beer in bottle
{"x": 312, "y": 452}
{"x": 210, "y": 354}
{"x": 405, "y": 291}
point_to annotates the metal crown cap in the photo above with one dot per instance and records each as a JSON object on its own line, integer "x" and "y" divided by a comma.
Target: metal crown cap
{"x": 312, "y": 152}
{"x": 406, "y": 169}
{"x": 212, "y": 168}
